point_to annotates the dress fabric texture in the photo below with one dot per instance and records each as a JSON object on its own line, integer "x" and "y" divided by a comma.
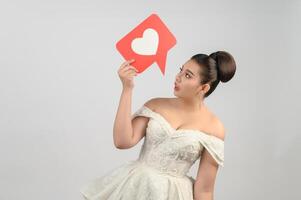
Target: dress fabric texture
{"x": 160, "y": 171}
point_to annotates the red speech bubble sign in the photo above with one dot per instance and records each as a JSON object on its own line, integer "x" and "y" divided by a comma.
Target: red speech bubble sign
{"x": 147, "y": 43}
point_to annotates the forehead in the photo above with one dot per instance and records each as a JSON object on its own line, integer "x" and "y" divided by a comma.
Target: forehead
{"x": 192, "y": 66}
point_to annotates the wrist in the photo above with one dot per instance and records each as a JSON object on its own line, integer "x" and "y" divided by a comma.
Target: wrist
{"x": 127, "y": 89}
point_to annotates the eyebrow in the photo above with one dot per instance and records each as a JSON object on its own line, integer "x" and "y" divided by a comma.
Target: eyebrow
{"x": 188, "y": 70}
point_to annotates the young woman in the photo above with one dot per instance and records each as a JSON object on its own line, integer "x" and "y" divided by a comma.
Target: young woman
{"x": 177, "y": 132}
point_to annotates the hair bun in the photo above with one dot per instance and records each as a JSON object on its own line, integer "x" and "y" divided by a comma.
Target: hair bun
{"x": 214, "y": 56}
{"x": 225, "y": 65}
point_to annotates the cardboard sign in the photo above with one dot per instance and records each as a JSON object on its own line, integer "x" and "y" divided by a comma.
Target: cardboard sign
{"x": 147, "y": 43}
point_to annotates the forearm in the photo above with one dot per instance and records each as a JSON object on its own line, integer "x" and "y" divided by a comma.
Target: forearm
{"x": 203, "y": 196}
{"x": 202, "y": 192}
{"x": 123, "y": 131}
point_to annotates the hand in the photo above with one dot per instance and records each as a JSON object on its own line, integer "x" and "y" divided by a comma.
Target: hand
{"x": 126, "y": 73}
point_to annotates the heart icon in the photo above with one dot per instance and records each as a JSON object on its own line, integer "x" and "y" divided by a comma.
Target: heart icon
{"x": 148, "y": 44}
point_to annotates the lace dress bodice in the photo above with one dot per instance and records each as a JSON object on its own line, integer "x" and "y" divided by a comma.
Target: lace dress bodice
{"x": 160, "y": 171}
{"x": 174, "y": 151}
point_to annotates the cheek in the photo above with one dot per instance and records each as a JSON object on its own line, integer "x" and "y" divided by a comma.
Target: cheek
{"x": 189, "y": 86}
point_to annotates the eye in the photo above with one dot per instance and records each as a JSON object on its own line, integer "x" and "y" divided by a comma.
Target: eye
{"x": 181, "y": 68}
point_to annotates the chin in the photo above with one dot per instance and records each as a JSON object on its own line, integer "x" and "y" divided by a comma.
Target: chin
{"x": 176, "y": 93}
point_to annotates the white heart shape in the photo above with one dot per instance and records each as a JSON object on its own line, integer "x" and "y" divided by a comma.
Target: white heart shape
{"x": 148, "y": 44}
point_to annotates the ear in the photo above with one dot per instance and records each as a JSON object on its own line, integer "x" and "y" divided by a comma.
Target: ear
{"x": 203, "y": 89}
{"x": 206, "y": 88}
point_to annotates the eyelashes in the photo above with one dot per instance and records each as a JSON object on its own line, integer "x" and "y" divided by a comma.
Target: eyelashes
{"x": 181, "y": 68}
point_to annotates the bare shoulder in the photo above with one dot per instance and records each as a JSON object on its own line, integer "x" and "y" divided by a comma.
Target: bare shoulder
{"x": 218, "y": 128}
{"x": 157, "y": 102}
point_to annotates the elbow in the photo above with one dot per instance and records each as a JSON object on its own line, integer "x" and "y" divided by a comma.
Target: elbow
{"x": 121, "y": 145}
{"x": 118, "y": 145}
{"x": 121, "y": 142}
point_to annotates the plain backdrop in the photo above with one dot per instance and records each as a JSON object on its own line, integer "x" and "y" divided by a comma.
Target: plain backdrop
{"x": 59, "y": 91}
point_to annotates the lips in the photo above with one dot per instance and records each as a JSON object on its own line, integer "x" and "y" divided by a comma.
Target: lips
{"x": 176, "y": 86}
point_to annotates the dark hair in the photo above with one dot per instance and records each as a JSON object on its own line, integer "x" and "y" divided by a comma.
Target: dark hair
{"x": 218, "y": 66}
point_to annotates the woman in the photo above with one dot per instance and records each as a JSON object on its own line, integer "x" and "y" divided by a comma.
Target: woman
{"x": 177, "y": 132}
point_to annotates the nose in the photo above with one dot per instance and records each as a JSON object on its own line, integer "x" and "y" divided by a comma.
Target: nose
{"x": 178, "y": 79}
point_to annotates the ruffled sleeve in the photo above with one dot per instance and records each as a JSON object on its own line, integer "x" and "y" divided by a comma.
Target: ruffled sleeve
{"x": 215, "y": 147}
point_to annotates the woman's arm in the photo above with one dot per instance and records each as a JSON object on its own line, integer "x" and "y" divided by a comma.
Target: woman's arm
{"x": 204, "y": 184}
{"x": 122, "y": 130}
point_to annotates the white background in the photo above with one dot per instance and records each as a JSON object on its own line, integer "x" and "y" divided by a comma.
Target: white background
{"x": 59, "y": 91}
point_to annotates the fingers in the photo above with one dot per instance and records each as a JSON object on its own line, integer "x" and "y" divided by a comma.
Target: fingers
{"x": 130, "y": 72}
{"x": 128, "y": 76}
{"x": 128, "y": 67}
{"x": 126, "y": 63}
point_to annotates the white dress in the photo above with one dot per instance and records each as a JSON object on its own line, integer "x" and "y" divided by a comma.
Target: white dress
{"x": 160, "y": 172}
